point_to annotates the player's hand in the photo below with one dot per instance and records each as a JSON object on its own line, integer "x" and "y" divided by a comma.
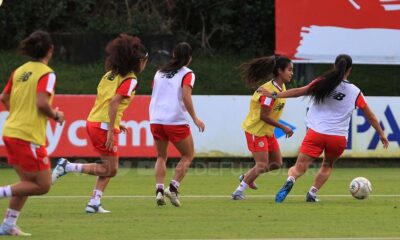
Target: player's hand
{"x": 384, "y": 141}
{"x": 288, "y": 131}
{"x": 59, "y": 116}
{"x": 264, "y": 92}
{"x": 110, "y": 140}
{"x": 200, "y": 124}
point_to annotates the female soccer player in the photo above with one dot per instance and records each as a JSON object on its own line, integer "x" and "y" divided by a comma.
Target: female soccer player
{"x": 170, "y": 101}
{"x": 126, "y": 57}
{"x": 28, "y": 96}
{"x": 334, "y": 99}
{"x": 263, "y": 117}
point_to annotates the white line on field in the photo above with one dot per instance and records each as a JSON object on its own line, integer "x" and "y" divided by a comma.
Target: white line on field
{"x": 374, "y": 238}
{"x": 210, "y": 196}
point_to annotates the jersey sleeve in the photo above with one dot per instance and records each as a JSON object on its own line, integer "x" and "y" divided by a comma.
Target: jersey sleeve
{"x": 127, "y": 87}
{"x": 360, "y": 102}
{"x": 188, "y": 80}
{"x": 313, "y": 82}
{"x": 47, "y": 83}
{"x": 7, "y": 88}
{"x": 266, "y": 101}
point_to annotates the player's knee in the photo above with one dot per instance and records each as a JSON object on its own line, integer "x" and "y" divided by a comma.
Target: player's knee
{"x": 262, "y": 167}
{"x": 275, "y": 165}
{"x": 113, "y": 172}
{"x": 43, "y": 188}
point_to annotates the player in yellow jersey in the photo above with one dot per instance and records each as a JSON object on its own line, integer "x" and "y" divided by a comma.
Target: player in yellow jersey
{"x": 126, "y": 58}
{"x": 263, "y": 117}
{"x": 28, "y": 96}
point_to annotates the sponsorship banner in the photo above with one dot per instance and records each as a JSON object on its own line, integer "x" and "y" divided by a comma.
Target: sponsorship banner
{"x": 315, "y": 31}
{"x": 223, "y": 137}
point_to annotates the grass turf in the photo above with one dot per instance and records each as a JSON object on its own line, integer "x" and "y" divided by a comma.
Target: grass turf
{"x": 208, "y": 212}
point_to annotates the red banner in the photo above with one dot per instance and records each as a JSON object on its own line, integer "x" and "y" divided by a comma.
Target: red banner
{"x": 71, "y": 139}
{"x": 316, "y": 31}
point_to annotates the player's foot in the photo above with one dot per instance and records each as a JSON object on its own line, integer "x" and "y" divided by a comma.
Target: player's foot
{"x": 284, "y": 191}
{"x": 311, "y": 198}
{"x": 238, "y": 195}
{"x": 59, "y": 170}
{"x": 252, "y": 185}
{"x": 160, "y": 197}
{"x": 96, "y": 209}
{"x": 173, "y": 197}
{"x": 12, "y": 231}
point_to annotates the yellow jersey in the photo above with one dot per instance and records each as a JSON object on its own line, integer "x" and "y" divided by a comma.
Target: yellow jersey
{"x": 253, "y": 123}
{"x": 24, "y": 120}
{"x": 106, "y": 90}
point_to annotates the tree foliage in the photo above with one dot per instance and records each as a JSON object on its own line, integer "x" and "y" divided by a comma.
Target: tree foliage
{"x": 230, "y": 25}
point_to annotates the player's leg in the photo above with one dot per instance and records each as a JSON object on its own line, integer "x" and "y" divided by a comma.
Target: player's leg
{"x": 160, "y": 170}
{"x": 110, "y": 163}
{"x": 334, "y": 147}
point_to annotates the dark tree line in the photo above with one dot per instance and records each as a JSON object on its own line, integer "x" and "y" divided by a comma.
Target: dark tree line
{"x": 228, "y": 25}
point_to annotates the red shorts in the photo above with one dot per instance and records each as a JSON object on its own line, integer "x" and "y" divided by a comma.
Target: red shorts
{"x": 261, "y": 144}
{"x": 98, "y": 138}
{"x": 28, "y": 156}
{"x": 172, "y": 133}
{"x": 315, "y": 143}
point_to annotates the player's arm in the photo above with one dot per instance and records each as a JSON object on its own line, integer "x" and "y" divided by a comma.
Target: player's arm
{"x": 361, "y": 103}
{"x": 112, "y": 114}
{"x": 43, "y": 92}
{"x": 291, "y": 93}
{"x": 187, "y": 87}
{"x": 5, "y": 96}
{"x": 266, "y": 109}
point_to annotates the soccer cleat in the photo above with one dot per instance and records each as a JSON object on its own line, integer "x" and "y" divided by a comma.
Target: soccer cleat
{"x": 59, "y": 170}
{"x": 173, "y": 197}
{"x": 310, "y": 198}
{"x": 283, "y": 192}
{"x": 160, "y": 198}
{"x": 96, "y": 209}
{"x": 12, "y": 231}
{"x": 252, "y": 185}
{"x": 238, "y": 195}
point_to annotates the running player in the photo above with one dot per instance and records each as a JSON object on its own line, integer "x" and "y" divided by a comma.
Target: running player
{"x": 263, "y": 117}
{"x": 170, "y": 101}
{"x": 28, "y": 96}
{"x": 126, "y": 57}
{"x": 334, "y": 99}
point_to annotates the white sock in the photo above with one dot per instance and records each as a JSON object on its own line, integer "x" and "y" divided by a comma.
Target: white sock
{"x": 11, "y": 217}
{"x": 175, "y": 183}
{"x": 5, "y": 191}
{"x": 242, "y": 186}
{"x": 159, "y": 185}
{"x": 313, "y": 191}
{"x": 291, "y": 179}
{"x": 96, "y": 197}
{"x": 73, "y": 167}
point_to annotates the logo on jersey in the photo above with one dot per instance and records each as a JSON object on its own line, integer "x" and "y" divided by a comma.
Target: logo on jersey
{"x": 169, "y": 74}
{"x": 337, "y": 95}
{"x": 24, "y": 77}
{"x": 279, "y": 107}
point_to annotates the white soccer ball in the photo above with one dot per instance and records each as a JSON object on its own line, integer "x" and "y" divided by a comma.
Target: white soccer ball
{"x": 360, "y": 187}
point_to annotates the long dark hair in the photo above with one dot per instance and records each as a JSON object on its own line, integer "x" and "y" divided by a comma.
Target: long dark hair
{"x": 331, "y": 79}
{"x": 180, "y": 57}
{"x": 36, "y": 45}
{"x": 124, "y": 54}
{"x": 262, "y": 69}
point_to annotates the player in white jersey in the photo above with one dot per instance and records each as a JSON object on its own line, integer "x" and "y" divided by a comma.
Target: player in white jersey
{"x": 333, "y": 100}
{"x": 171, "y": 100}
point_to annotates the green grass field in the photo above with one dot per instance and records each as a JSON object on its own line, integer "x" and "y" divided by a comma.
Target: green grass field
{"x": 208, "y": 212}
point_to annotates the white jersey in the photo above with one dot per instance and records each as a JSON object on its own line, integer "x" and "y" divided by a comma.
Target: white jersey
{"x": 166, "y": 105}
{"x": 332, "y": 117}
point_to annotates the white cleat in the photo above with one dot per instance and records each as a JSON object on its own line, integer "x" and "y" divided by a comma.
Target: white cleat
{"x": 173, "y": 197}
{"x": 96, "y": 209}
{"x": 12, "y": 231}
{"x": 160, "y": 199}
{"x": 59, "y": 170}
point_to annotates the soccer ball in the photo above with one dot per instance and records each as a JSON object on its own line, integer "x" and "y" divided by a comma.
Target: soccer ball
{"x": 360, "y": 188}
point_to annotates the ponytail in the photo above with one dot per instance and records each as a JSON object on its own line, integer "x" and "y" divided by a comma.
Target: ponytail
{"x": 331, "y": 79}
{"x": 262, "y": 69}
{"x": 180, "y": 57}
